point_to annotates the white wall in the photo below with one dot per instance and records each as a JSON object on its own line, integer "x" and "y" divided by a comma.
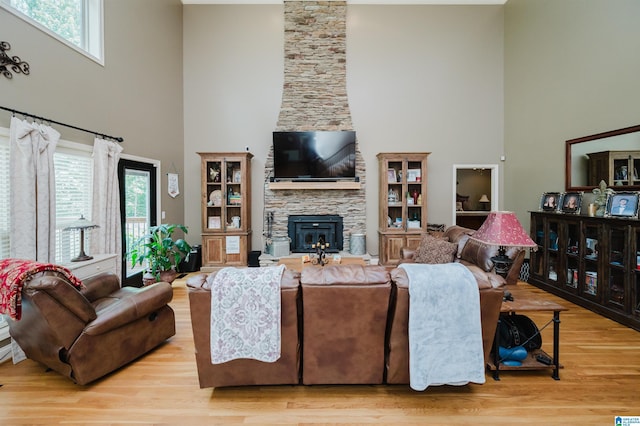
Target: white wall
{"x": 137, "y": 94}
{"x": 571, "y": 70}
{"x": 419, "y": 78}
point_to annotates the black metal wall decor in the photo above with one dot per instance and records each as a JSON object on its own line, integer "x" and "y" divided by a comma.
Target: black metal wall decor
{"x": 11, "y": 63}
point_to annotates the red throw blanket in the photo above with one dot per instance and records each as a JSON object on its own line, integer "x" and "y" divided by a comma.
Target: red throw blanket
{"x": 14, "y": 273}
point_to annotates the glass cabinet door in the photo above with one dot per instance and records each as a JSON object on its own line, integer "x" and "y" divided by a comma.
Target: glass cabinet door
{"x": 552, "y": 242}
{"x": 395, "y": 196}
{"x": 214, "y": 219}
{"x": 617, "y": 267}
{"x": 589, "y": 279}
{"x": 572, "y": 269}
{"x": 636, "y": 274}
{"x": 537, "y": 256}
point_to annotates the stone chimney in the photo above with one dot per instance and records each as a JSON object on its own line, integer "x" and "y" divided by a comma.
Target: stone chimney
{"x": 315, "y": 98}
{"x": 315, "y": 74}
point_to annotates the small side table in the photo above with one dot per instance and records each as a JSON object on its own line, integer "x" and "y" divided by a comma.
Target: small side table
{"x": 89, "y": 268}
{"x": 526, "y": 302}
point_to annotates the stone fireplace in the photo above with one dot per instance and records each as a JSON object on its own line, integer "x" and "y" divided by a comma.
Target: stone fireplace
{"x": 315, "y": 99}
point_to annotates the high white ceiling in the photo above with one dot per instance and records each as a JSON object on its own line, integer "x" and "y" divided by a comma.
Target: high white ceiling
{"x": 390, "y": 2}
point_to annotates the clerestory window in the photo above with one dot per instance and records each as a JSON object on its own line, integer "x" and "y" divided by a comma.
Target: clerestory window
{"x": 77, "y": 23}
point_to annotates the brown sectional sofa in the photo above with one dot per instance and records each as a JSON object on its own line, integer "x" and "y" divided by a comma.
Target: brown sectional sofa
{"x": 345, "y": 313}
{"x": 246, "y": 371}
{"x": 341, "y": 324}
{"x": 398, "y": 342}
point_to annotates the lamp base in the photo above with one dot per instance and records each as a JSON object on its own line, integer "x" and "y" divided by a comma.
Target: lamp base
{"x": 501, "y": 262}
{"x": 81, "y": 258}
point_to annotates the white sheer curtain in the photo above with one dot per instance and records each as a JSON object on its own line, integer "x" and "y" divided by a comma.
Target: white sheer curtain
{"x": 106, "y": 200}
{"x": 32, "y": 188}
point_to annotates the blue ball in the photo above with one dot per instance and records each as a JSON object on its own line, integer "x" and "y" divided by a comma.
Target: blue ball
{"x": 517, "y": 353}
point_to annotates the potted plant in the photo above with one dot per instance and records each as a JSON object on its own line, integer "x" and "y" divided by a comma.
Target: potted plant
{"x": 160, "y": 252}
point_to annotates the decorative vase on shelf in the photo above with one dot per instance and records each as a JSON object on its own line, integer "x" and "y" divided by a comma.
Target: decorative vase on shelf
{"x": 602, "y": 194}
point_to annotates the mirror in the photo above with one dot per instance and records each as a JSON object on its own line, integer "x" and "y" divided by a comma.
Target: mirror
{"x": 584, "y": 170}
{"x": 475, "y": 193}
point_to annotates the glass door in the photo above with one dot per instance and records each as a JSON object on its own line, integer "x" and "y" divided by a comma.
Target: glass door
{"x": 138, "y": 207}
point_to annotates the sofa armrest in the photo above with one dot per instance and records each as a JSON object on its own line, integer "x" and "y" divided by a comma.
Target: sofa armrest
{"x": 138, "y": 303}
{"x": 100, "y": 286}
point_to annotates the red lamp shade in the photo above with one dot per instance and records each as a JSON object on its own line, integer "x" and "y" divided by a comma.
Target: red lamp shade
{"x": 503, "y": 229}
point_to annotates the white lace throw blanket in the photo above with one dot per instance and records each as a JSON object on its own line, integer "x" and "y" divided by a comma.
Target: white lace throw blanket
{"x": 445, "y": 335}
{"x": 245, "y": 314}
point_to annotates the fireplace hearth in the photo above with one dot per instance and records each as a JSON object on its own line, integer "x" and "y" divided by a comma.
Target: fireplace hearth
{"x": 305, "y": 230}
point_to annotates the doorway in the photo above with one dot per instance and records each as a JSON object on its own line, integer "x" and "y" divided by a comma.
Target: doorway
{"x": 138, "y": 211}
{"x": 475, "y": 193}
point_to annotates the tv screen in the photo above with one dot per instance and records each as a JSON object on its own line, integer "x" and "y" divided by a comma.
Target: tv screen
{"x": 314, "y": 155}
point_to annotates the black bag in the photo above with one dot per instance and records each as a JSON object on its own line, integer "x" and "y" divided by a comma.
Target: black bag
{"x": 519, "y": 330}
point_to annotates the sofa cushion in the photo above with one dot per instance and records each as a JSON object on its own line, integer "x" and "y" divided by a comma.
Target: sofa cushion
{"x": 435, "y": 250}
{"x": 345, "y": 275}
{"x": 290, "y": 279}
{"x": 459, "y": 235}
{"x": 479, "y": 254}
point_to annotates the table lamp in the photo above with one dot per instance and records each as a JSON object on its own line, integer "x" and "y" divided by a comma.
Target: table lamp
{"x": 484, "y": 200}
{"x": 503, "y": 229}
{"x": 81, "y": 224}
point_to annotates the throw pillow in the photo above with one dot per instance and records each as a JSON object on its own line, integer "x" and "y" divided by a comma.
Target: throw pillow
{"x": 435, "y": 250}
{"x": 479, "y": 254}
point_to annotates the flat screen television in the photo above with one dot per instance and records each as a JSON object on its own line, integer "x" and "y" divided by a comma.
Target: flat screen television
{"x": 322, "y": 155}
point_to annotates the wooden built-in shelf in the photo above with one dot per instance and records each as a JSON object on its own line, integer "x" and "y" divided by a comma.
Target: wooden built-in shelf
{"x": 315, "y": 185}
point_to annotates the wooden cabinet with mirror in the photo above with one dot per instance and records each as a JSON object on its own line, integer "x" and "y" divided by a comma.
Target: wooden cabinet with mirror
{"x": 617, "y": 168}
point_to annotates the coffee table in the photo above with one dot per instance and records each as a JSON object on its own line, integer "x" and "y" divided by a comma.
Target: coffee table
{"x": 524, "y": 301}
{"x": 295, "y": 263}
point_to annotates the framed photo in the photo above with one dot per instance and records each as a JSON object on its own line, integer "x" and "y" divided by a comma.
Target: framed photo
{"x": 550, "y": 201}
{"x": 571, "y": 202}
{"x": 214, "y": 222}
{"x": 413, "y": 175}
{"x": 623, "y": 204}
{"x": 391, "y": 176}
{"x": 237, "y": 176}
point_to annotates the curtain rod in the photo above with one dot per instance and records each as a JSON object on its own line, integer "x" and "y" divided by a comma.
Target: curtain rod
{"x": 26, "y": 114}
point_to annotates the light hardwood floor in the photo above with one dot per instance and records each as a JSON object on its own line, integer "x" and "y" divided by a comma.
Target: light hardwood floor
{"x": 601, "y": 379}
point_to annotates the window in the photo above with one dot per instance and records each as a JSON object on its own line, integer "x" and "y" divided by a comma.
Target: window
{"x": 77, "y": 23}
{"x": 74, "y": 188}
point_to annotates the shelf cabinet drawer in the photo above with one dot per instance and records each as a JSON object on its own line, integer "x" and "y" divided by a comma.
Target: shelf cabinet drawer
{"x": 90, "y": 268}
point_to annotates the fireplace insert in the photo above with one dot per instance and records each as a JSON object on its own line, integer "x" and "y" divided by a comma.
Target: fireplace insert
{"x": 305, "y": 230}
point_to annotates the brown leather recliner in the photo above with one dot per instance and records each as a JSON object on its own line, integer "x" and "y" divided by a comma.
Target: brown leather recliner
{"x": 345, "y": 310}
{"x": 87, "y": 334}
{"x": 241, "y": 372}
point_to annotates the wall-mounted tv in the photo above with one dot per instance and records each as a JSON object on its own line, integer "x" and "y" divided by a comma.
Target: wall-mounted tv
{"x": 322, "y": 155}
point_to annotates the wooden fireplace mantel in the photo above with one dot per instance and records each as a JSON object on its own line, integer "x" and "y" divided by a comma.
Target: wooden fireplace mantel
{"x": 315, "y": 185}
